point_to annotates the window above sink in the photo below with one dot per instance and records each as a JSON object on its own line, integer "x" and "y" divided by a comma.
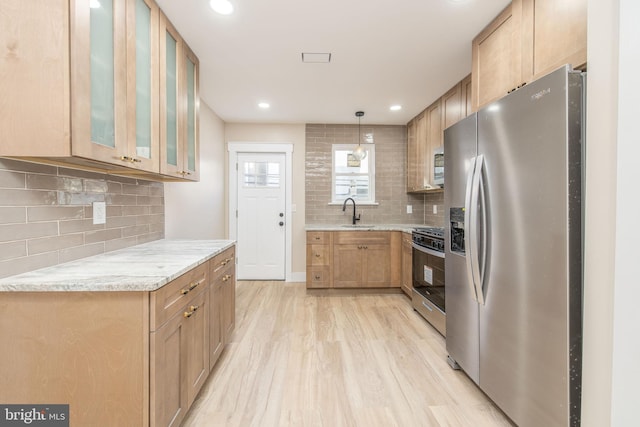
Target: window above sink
{"x": 352, "y": 177}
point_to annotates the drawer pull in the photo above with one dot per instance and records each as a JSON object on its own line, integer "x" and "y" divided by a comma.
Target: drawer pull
{"x": 317, "y": 237}
{"x": 226, "y": 277}
{"x": 192, "y": 309}
{"x": 317, "y": 277}
{"x": 192, "y": 286}
{"x": 317, "y": 255}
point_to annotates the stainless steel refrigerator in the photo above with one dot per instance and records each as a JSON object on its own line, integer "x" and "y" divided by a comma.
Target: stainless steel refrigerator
{"x": 513, "y": 249}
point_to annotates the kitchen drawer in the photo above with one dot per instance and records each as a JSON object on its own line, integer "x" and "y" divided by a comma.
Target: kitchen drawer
{"x": 318, "y": 237}
{"x": 430, "y": 312}
{"x": 362, "y": 237}
{"x": 222, "y": 260}
{"x": 318, "y": 255}
{"x": 318, "y": 277}
{"x": 168, "y": 300}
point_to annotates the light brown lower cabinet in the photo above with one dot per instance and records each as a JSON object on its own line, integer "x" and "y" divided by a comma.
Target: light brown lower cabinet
{"x": 353, "y": 259}
{"x": 222, "y": 297}
{"x": 407, "y": 264}
{"x": 117, "y": 358}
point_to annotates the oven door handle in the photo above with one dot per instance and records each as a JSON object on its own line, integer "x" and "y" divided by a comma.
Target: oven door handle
{"x": 427, "y": 250}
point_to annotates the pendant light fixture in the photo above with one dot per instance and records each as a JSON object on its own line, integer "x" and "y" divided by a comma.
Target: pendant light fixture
{"x": 359, "y": 152}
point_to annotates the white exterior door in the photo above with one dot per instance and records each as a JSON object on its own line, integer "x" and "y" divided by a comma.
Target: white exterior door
{"x": 261, "y": 216}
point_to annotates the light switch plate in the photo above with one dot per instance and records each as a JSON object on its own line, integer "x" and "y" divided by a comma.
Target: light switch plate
{"x": 99, "y": 212}
{"x": 435, "y": 209}
{"x": 409, "y": 209}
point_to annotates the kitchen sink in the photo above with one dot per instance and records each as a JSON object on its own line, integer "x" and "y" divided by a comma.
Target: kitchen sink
{"x": 358, "y": 226}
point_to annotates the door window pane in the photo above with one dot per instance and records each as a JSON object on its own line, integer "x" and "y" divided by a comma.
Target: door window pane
{"x": 262, "y": 174}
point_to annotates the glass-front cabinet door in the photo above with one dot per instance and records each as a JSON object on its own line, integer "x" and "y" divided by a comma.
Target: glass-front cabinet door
{"x": 179, "y": 103}
{"x": 142, "y": 85}
{"x": 171, "y": 156}
{"x": 191, "y": 149}
{"x": 99, "y": 76}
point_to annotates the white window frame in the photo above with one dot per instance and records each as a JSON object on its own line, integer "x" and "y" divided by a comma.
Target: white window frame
{"x": 371, "y": 155}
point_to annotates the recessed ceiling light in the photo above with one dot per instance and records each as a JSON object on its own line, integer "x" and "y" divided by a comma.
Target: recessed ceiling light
{"x": 264, "y": 105}
{"x": 395, "y": 108}
{"x": 223, "y": 7}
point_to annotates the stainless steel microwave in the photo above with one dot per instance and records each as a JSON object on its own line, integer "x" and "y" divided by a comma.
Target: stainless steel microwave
{"x": 438, "y": 166}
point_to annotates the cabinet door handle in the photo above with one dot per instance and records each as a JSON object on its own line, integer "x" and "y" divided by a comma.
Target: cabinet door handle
{"x": 184, "y": 291}
{"x": 193, "y": 285}
{"x": 226, "y": 277}
{"x": 317, "y": 277}
{"x": 187, "y": 314}
{"x": 317, "y": 255}
{"x": 317, "y": 237}
{"x": 194, "y": 308}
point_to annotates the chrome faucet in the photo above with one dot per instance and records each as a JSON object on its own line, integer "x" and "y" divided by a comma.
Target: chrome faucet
{"x": 344, "y": 206}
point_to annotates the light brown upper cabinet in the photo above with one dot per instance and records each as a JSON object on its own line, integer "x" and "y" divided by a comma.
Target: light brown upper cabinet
{"x": 434, "y": 140}
{"x": 554, "y": 34}
{"x": 528, "y": 39}
{"x": 416, "y": 150}
{"x": 497, "y": 56}
{"x": 178, "y": 105}
{"x": 143, "y": 90}
{"x": 452, "y": 107}
{"x": 466, "y": 93}
{"x": 82, "y": 85}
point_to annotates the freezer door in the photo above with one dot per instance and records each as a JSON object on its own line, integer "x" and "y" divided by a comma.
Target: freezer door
{"x": 461, "y": 308}
{"x": 528, "y": 144}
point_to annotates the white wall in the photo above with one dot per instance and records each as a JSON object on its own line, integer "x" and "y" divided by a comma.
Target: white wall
{"x": 611, "y": 318}
{"x": 196, "y": 210}
{"x": 626, "y": 317}
{"x": 282, "y": 133}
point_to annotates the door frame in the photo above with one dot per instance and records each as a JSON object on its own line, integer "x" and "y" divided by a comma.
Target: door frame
{"x": 234, "y": 148}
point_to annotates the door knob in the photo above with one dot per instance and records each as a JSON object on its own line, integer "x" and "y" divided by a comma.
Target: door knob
{"x": 281, "y": 223}
{"x": 281, "y": 214}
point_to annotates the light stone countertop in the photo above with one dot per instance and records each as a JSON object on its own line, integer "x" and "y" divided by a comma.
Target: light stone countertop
{"x": 144, "y": 267}
{"x": 407, "y": 228}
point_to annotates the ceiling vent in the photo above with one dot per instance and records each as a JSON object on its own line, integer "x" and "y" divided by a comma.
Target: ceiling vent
{"x": 318, "y": 58}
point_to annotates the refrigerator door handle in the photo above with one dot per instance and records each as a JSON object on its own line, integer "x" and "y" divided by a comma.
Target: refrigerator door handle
{"x": 480, "y": 251}
{"x": 473, "y": 257}
{"x": 469, "y": 227}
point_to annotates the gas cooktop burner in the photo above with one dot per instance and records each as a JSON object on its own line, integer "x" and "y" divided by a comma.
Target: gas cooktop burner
{"x": 430, "y": 231}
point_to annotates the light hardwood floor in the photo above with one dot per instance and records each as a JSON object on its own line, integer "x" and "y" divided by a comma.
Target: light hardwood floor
{"x": 312, "y": 359}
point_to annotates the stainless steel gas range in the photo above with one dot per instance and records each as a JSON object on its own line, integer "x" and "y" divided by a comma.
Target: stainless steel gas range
{"x": 428, "y": 275}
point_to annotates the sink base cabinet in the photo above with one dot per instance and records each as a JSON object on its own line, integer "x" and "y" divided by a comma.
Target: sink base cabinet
{"x": 353, "y": 259}
{"x": 117, "y": 358}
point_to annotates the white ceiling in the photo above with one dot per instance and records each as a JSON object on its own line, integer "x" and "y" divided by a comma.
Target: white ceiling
{"x": 383, "y": 52}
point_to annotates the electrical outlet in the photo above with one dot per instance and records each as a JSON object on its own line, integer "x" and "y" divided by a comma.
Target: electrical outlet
{"x": 99, "y": 212}
{"x": 435, "y": 209}
{"x": 409, "y": 209}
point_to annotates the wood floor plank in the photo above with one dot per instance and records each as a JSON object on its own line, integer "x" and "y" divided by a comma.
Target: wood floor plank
{"x": 313, "y": 359}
